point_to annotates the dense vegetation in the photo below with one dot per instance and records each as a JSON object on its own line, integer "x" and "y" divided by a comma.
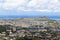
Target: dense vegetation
{"x": 2, "y": 39}
{"x": 2, "y": 28}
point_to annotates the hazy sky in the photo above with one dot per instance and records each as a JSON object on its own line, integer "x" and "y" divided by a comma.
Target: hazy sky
{"x": 30, "y": 7}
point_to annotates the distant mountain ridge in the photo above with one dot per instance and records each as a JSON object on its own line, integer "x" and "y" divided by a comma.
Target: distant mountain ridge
{"x": 3, "y": 17}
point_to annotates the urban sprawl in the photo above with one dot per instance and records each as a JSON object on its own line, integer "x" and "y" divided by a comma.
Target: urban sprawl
{"x": 41, "y": 28}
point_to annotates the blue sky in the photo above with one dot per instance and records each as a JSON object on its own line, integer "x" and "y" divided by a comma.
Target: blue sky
{"x": 30, "y": 7}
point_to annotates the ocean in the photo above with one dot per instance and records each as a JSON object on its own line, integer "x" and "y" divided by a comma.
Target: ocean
{"x": 9, "y": 17}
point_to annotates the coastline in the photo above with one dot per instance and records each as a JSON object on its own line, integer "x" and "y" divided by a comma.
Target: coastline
{"x": 17, "y": 17}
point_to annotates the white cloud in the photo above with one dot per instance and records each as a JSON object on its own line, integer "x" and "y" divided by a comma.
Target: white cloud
{"x": 37, "y": 3}
{"x": 32, "y": 5}
{"x": 13, "y": 3}
{"x": 45, "y": 4}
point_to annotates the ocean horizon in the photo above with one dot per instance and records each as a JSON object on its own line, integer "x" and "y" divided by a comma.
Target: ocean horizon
{"x": 14, "y": 17}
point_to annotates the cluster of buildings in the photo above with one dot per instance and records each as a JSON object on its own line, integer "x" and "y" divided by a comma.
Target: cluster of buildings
{"x": 29, "y": 27}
